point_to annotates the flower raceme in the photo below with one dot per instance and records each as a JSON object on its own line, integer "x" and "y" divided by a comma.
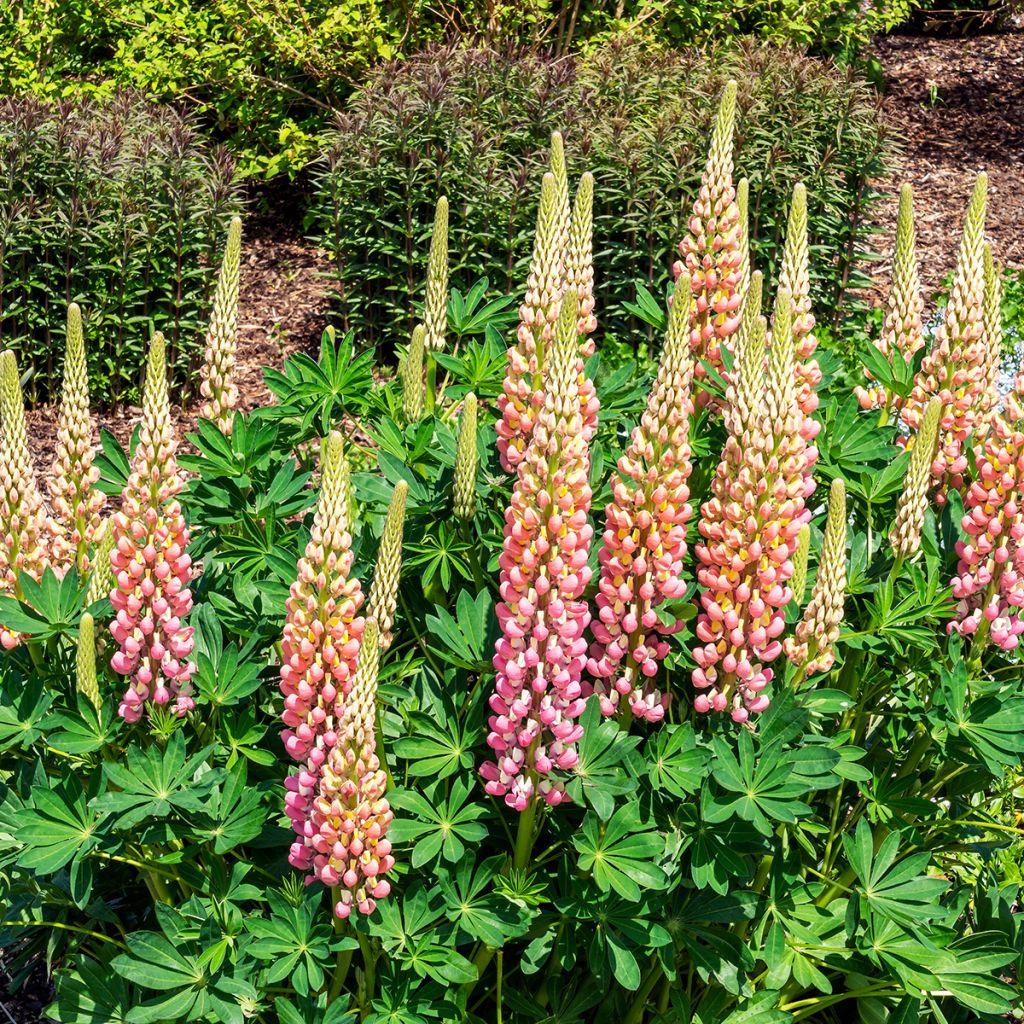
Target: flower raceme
{"x": 713, "y": 250}
{"x": 152, "y": 568}
{"x": 751, "y": 524}
{"x": 989, "y": 581}
{"x": 644, "y": 540}
{"x": 540, "y": 656}
{"x": 217, "y": 385}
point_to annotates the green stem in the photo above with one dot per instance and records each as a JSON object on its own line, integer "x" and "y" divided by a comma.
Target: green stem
{"x": 64, "y": 927}
{"x": 369, "y": 976}
{"x": 431, "y": 396}
{"x": 524, "y": 837}
{"x": 636, "y": 1011}
{"x": 344, "y": 959}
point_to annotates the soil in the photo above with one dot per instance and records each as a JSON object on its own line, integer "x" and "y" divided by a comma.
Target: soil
{"x": 957, "y": 106}
{"x": 27, "y": 1005}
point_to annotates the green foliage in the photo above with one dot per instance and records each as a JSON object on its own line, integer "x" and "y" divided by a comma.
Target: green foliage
{"x": 475, "y": 125}
{"x": 119, "y": 206}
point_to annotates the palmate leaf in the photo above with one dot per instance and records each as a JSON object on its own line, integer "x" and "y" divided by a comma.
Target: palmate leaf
{"x": 85, "y": 732}
{"x": 234, "y": 812}
{"x": 91, "y": 993}
{"x": 676, "y": 766}
{"x": 437, "y": 749}
{"x": 154, "y": 782}
{"x": 473, "y": 904}
{"x": 314, "y": 1010}
{"x": 446, "y": 823}
{"x": 50, "y": 606}
{"x": 621, "y": 855}
{"x": 895, "y": 889}
{"x": 600, "y": 773}
{"x": 466, "y": 641}
{"x": 22, "y": 712}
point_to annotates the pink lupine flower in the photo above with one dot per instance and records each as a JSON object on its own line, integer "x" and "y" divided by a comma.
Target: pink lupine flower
{"x": 351, "y": 851}
{"x": 956, "y": 367}
{"x": 152, "y": 568}
{"x": 752, "y": 522}
{"x": 644, "y": 539}
{"x": 540, "y": 656}
{"x": 989, "y": 581}
{"x": 713, "y": 250}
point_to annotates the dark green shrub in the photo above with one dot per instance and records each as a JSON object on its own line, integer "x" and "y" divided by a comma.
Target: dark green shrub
{"x": 474, "y": 124}
{"x": 117, "y": 205}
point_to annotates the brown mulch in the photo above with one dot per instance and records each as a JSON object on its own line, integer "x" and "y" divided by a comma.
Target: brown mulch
{"x": 27, "y": 1005}
{"x": 283, "y": 306}
{"x": 958, "y": 105}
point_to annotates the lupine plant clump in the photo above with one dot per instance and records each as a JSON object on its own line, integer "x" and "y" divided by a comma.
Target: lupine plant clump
{"x": 516, "y": 686}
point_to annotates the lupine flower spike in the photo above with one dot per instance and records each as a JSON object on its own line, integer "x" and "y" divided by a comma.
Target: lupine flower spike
{"x": 712, "y": 250}
{"x": 798, "y": 581}
{"x": 413, "y": 388}
{"x": 905, "y": 537}
{"x": 795, "y": 277}
{"x": 559, "y": 169}
{"x": 537, "y": 318}
{"x": 388, "y": 572}
{"x": 955, "y": 367}
{"x": 29, "y": 539}
{"x": 992, "y": 325}
{"x": 902, "y": 331}
{"x": 745, "y": 266}
{"x": 77, "y": 501}
{"x": 435, "y": 308}
{"x": 540, "y": 656}
{"x": 320, "y": 647}
{"x": 152, "y": 567}
{"x": 811, "y": 645}
{"x": 989, "y": 581}
{"x": 466, "y": 459}
{"x": 751, "y": 526}
{"x": 351, "y": 848}
{"x": 579, "y": 269}
{"x": 644, "y": 539}
{"x": 101, "y": 578}
{"x": 217, "y": 384}
{"x": 85, "y": 661}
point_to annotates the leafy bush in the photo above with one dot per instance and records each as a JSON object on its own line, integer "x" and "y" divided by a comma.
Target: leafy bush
{"x": 845, "y": 836}
{"x": 966, "y": 17}
{"x": 117, "y": 205}
{"x": 474, "y": 124}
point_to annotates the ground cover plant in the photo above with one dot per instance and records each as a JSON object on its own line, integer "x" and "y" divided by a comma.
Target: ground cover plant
{"x": 117, "y": 205}
{"x": 568, "y": 694}
{"x": 474, "y": 123}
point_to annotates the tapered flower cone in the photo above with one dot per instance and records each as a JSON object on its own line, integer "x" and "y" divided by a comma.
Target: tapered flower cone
{"x": 811, "y": 645}
{"x": 992, "y": 323}
{"x": 745, "y": 268}
{"x": 579, "y": 270}
{"x": 712, "y": 251}
{"x": 413, "y": 387}
{"x": 29, "y": 539}
{"x": 902, "y": 331}
{"x": 955, "y": 367}
{"x": 351, "y": 815}
{"x": 798, "y": 582}
{"x": 540, "y": 656}
{"x": 750, "y": 529}
{"x": 387, "y": 574}
{"x": 466, "y": 461}
{"x": 320, "y": 646}
{"x": 435, "y": 308}
{"x": 523, "y": 386}
{"x": 217, "y": 384}
{"x": 559, "y": 170}
{"x": 644, "y": 540}
{"x": 905, "y": 536}
{"x": 101, "y": 575}
{"x": 151, "y": 564}
{"x": 989, "y": 581}
{"x": 77, "y": 501}
{"x": 795, "y": 277}
{"x": 85, "y": 661}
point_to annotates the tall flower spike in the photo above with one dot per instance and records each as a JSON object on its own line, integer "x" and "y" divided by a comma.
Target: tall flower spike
{"x": 151, "y": 564}
{"x": 795, "y": 277}
{"x": 540, "y": 656}
{"x": 217, "y": 384}
{"x": 101, "y": 577}
{"x": 351, "y": 851}
{"x": 745, "y": 268}
{"x": 955, "y": 367}
{"x": 413, "y": 388}
{"x": 523, "y": 386}
{"x": 712, "y": 250}
{"x": 989, "y": 581}
{"x": 748, "y": 396}
{"x": 85, "y": 661}
{"x": 559, "y": 169}
{"x": 466, "y": 459}
{"x": 435, "y": 309}
{"x": 992, "y": 337}
{"x": 902, "y": 331}
{"x": 579, "y": 269}
{"x": 388, "y": 572}
{"x": 905, "y": 536}
{"x": 798, "y": 581}
{"x": 29, "y": 539}
{"x": 750, "y": 528}
{"x": 811, "y": 644}
{"x": 644, "y": 540}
